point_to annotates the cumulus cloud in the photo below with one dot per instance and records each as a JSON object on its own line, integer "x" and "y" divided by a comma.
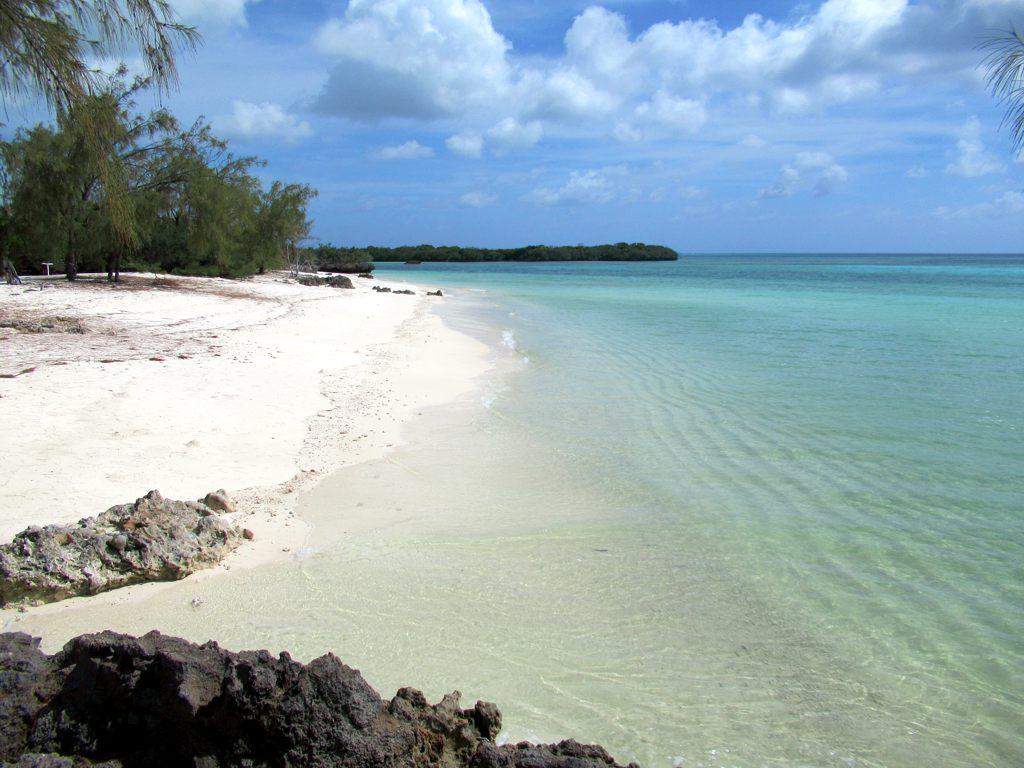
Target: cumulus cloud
{"x": 266, "y": 119}
{"x": 466, "y": 144}
{"x": 509, "y": 135}
{"x": 669, "y": 113}
{"x": 410, "y": 150}
{"x": 1009, "y": 203}
{"x": 815, "y": 172}
{"x": 972, "y": 158}
{"x": 444, "y": 59}
{"x": 477, "y": 199}
{"x": 412, "y": 58}
{"x": 592, "y": 186}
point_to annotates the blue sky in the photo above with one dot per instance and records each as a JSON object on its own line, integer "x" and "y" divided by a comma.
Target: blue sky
{"x": 849, "y": 125}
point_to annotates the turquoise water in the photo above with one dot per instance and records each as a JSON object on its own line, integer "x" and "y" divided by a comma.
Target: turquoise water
{"x": 730, "y": 512}
{"x": 745, "y": 510}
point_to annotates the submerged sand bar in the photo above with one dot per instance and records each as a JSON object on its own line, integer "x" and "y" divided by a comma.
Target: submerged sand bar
{"x": 260, "y": 386}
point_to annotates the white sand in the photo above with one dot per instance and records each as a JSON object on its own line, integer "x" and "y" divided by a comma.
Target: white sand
{"x": 260, "y": 387}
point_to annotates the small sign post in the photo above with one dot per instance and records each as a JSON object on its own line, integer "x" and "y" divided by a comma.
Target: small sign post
{"x": 47, "y": 264}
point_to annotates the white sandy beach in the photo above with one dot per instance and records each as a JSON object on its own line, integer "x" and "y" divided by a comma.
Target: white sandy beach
{"x": 261, "y": 387}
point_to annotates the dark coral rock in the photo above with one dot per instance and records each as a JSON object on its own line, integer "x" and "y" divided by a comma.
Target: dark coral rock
{"x": 115, "y": 700}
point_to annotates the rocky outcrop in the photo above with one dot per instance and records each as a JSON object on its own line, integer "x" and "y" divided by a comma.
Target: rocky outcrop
{"x": 153, "y": 539}
{"x": 333, "y": 281}
{"x": 115, "y": 700}
{"x": 406, "y": 292}
{"x": 435, "y": 293}
{"x": 381, "y": 289}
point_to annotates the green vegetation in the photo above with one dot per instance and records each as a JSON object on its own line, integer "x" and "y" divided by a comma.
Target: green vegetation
{"x": 330, "y": 258}
{"x": 46, "y": 45}
{"x": 616, "y": 252}
{"x": 106, "y": 186}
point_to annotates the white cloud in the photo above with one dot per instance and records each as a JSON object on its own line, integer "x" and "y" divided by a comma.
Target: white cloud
{"x": 412, "y": 58}
{"x": 205, "y": 13}
{"x": 466, "y": 144}
{"x": 410, "y": 150}
{"x": 753, "y": 142}
{"x": 972, "y": 158}
{"x": 627, "y": 132}
{"x": 509, "y": 135}
{"x": 917, "y": 172}
{"x": 593, "y": 186}
{"x": 443, "y": 59}
{"x": 478, "y": 199}
{"x": 815, "y": 172}
{"x": 266, "y": 119}
{"x": 1008, "y": 204}
{"x": 669, "y": 113}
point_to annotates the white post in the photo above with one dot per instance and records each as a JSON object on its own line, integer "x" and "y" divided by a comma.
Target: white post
{"x": 47, "y": 264}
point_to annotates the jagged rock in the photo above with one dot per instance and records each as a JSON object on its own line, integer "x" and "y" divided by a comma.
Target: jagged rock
{"x": 435, "y": 293}
{"x": 153, "y": 539}
{"x": 334, "y": 281}
{"x": 162, "y": 701}
{"x": 219, "y": 500}
{"x": 57, "y": 761}
{"x": 407, "y": 292}
{"x": 365, "y": 275}
{"x": 381, "y": 289}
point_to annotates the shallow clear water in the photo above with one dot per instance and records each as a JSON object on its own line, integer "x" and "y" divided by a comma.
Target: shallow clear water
{"x": 730, "y": 511}
{"x": 767, "y": 506}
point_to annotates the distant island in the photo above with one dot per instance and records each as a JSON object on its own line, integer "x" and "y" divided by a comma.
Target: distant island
{"x": 329, "y": 254}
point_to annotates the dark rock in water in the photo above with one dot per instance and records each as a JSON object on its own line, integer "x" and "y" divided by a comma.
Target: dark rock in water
{"x": 350, "y": 267}
{"x": 334, "y": 281}
{"x": 406, "y": 292}
{"x": 154, "y": 539}
{"x": 381, "y": 289}
{"x": 435, "y": 293}
{"x": 162, "y": 701}
{"x": 366, "y": 275}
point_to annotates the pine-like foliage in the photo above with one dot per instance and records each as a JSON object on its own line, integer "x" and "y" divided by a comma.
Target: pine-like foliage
{"x": 46, "y": 45}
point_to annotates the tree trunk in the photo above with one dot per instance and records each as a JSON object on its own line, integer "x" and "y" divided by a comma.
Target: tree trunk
{"x": 10, "y": 273}
{"x": 71, "y": 260}
{"x": 114, "y": 267}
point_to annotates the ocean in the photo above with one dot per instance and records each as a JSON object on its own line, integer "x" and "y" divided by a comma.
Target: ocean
{"x": 733, "y": 510}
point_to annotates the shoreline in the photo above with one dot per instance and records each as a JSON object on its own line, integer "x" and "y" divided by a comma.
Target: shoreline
{"x": 367, "y": 364}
